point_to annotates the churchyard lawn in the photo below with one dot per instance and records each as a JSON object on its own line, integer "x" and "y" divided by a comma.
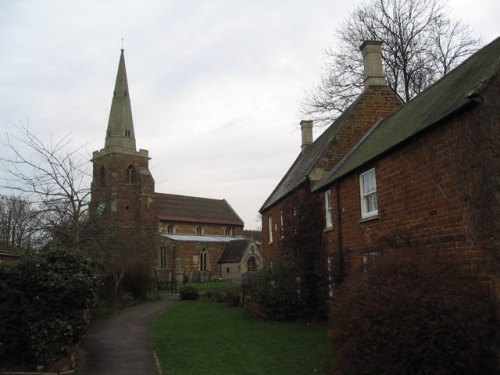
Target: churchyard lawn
{"x": 204, "y": 337}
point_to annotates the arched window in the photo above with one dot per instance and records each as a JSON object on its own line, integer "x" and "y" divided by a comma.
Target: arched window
{"x": 251, "y": 264}
{"x": 204, "y": 260}
{"x": 102, "y": 175}
{"x": 199, "y": 230}
{"x": 170, "y": 229}
{"x": 131, "y": 174}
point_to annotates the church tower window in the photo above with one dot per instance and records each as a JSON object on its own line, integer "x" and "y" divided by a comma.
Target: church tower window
{"x": 131, "y": 174}
{"x": 102, "y": 175}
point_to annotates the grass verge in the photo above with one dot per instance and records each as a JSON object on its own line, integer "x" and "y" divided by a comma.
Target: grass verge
{"x": 202, "y": 337}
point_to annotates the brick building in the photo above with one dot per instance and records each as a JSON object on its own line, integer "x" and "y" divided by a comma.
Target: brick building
{"x": 317, "y": 158}
{"x": 424, "y": 175}
{"x": 171, "y": 232}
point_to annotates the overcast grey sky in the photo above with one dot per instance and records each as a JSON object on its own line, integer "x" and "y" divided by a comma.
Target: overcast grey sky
{"x": 215, "y": 85}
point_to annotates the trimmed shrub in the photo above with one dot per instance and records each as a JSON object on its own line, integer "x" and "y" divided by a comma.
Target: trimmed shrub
{"x": 189, "y": 292}
{"x": 412, "y": 313}
{"x": 42, "y": 306}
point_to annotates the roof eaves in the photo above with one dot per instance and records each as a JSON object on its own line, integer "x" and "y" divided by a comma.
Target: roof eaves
{"x": 196, "y": 220}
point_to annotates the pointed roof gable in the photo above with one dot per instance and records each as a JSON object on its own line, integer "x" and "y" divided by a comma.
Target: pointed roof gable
{"x": 451, "y": 93}
{"x": 196, "y": 210}
{"x": 307, "y": 160}
{"x": 234, "y": 251}
{"x": 120, "y": 133}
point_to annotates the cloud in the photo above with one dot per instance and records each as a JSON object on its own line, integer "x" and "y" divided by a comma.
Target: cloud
{"x": 215, "y": 85}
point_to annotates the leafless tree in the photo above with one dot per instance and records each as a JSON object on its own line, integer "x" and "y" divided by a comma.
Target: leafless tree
{"x": 18, "y": 222}
{"x": 421, "y": 43}
{"x": 52, "y": 176}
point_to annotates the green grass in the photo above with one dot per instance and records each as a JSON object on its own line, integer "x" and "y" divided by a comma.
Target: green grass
{"x": 204, "y": 338}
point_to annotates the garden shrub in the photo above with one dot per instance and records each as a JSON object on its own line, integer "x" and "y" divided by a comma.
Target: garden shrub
{"x": 412, "y": 313}
{"x": 42, "y": 305}
{"x": 138, "y": 280}
{"x": 189, "y": 292}
{"x": 290, "y": 290}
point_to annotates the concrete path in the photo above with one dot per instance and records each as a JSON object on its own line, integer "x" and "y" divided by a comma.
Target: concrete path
{"x": 119, "y": 345}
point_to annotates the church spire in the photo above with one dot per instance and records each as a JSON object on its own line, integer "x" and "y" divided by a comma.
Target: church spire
{"x": 120, "y": 133}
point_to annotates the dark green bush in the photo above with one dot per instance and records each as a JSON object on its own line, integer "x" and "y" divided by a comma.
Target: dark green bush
{"x": 290, "y": 290}
{"x": 42, "y": 305}
{"x": 278, "y": 291}
{"x": 138, "y": 280}
{"x": 189, "y": 292}
{"x": 412, "y": 313}
{"x": 229, "y": 295}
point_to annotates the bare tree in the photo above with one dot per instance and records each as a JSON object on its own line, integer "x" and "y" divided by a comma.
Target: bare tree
{"x": 53, "y": 177}
{"x": 18, "y": 222}
{"x": 420, "y": 44}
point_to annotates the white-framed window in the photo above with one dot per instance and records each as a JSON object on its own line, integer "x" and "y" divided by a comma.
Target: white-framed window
{"x": 328, "y": 209}
{"x": 163, "y": 257}
{"x": 270, "y": 222}
{"x": 170, "y": 229}
{"x": 228, "y": 231}
{"x": 368, "y": 194}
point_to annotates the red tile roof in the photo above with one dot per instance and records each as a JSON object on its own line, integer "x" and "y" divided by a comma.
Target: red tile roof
{"x": 182, "y": 208}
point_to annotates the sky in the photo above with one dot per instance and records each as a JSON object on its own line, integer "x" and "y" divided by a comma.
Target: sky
{"x": 215, "y": 86}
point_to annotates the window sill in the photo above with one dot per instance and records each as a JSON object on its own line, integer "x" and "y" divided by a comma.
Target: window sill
{"x": 328, "y": 229}
{"x": 369, "y": 218}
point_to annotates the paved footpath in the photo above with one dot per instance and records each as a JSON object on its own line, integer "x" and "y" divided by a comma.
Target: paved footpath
{"x": 119, "y": 345}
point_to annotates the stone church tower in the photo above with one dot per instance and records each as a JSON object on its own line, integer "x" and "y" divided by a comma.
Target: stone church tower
{"x": 123, "y": 195}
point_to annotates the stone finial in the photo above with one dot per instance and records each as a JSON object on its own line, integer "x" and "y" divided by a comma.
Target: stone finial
{"x": 372, "y": 59}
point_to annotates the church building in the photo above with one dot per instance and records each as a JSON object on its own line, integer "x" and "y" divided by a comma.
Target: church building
{"x": 179, "y": 236}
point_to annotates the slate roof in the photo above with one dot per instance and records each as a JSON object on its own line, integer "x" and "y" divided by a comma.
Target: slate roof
{"x": 451, "y": 93}
{"x": 305, "y": 162}
{"x": 234, "y": 251}
{"x": 196, "y": 210}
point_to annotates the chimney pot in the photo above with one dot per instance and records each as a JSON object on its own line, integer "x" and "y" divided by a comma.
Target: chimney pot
{"x": 372, "y": 60}
{"x": 306, "y": 127}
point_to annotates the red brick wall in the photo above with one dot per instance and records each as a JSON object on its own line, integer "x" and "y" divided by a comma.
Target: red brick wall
{"x": 271, "y": 249}
{"x": 373, "y": 104}
{"x": 430, "y": 194}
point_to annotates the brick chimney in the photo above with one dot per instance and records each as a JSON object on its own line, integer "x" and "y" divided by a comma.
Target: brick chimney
{"x": 307, "y": 133}
{"x": 372, "y": 59}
